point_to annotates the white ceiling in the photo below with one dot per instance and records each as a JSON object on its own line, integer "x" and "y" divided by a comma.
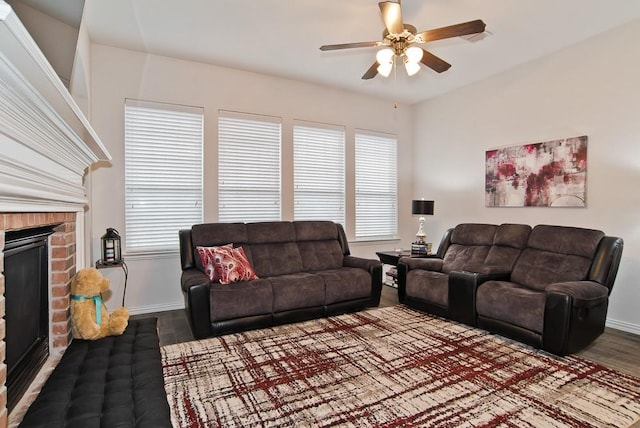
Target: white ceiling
{"x": 282, "y": 37}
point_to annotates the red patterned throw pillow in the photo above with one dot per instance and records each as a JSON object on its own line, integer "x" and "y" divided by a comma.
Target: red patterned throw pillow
{"x": 228, "y": 264}
{"x": 207, "y": 257}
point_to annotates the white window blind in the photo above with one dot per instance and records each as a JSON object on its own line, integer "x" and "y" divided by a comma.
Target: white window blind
{"x": 248, "y": 167}
{"x": 318, "y": 172}
{"x": 376, "y": 186}
{"x": 163, "y": 173}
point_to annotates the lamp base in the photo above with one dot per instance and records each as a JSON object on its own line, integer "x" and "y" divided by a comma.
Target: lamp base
{"x": 421, "y": 236}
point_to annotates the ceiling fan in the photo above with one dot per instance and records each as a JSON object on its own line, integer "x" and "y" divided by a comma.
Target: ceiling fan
{"x": 400, "y": 40}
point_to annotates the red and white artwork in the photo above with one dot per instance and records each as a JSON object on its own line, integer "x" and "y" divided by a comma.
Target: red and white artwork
{"x": 546, "y": 174}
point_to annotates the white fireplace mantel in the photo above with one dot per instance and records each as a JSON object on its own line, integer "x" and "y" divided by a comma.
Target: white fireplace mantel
{"x": 46, "y": 142}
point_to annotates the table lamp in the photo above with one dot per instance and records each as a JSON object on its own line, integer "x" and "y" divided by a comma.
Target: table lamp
{"x": 422, "y": 208}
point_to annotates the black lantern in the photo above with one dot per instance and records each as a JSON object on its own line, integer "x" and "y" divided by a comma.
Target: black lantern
{"x": 111, "y": 253}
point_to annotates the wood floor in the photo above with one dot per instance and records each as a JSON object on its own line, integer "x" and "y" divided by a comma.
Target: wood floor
{"x": 614, "y": 349}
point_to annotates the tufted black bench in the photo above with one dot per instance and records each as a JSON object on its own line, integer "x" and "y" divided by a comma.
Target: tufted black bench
{"x": 112, "y": 382}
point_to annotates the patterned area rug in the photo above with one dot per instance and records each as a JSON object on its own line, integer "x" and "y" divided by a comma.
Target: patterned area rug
{"x": 388, "y": 367}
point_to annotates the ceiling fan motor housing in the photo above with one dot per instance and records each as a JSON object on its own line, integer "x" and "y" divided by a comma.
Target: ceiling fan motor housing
{"x": 398, "y": 37}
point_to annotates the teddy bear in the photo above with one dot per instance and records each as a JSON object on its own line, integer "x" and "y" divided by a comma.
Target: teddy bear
{"x": 90, "y": 318}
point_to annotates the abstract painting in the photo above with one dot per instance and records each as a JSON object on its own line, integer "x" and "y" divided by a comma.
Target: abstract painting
{"x": 545, "y": 174}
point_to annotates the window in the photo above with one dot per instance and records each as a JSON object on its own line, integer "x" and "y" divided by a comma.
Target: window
{"x": 248, "y": 167}
{"x": 163, "y": 173}
{"x": 318, "y": 172}
{"x": 376, "y": 186}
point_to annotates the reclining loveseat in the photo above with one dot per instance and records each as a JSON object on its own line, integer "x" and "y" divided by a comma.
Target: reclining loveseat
{"x": 552, "y": 295}
{"x": 304, "y": 270}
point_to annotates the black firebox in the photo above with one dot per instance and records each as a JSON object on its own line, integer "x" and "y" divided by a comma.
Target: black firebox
{"x": 26, "y": 276}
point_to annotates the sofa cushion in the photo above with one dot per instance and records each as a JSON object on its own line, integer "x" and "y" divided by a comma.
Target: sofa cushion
{"x": 346, "y": 284}
{"x": 271, "y": 232}
{"x": 512, "y": 235}
{"x": 275, "y": 259}
{"x": 242, "y": 299}
{"x": 565, "y": 240}
{"x": 215, "y": 234}
{"x": 428, "y": 285}
{"x": 473, "y": 234}
{"x": 460, "y": 256}
{"x": 537, "y": 269}
{"x": 508, "y": 243}
{"x": 320, "y": 255}
{"x": 470, "y": 243}
{"x": 316, "y": 230}
{"x": 297, "y": 291}
{"x": 511, "y": 303}
{"x": 556, "y": 254}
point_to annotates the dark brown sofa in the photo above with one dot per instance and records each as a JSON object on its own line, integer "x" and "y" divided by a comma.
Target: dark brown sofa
{"x": 551, "y": 293}
{"x": 424, "y": 283}
{"x": 304, "y": 271}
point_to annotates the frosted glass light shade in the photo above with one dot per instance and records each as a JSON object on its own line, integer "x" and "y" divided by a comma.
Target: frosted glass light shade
{"x": 385, "y": 69}
{"x": 414, "y": 54}
{"x": 411, "y": 67}
{"x": 384, "y": 56}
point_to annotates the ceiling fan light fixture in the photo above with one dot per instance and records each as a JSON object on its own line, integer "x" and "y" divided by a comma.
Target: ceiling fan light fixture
{"x": 411, "y": 67}
{"x": 414, "y": 54}
{"x": 384, "y": 56}
{"x": 385, "y": 69}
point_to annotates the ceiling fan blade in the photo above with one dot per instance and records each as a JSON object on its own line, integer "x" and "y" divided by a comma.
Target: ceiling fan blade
{"x": 434, "y": 62}
{"x": 463, "y": 29}
{"x": 392, "y": 16}
{"x": 371, "y": 72}
{"x": 349, "y": 46}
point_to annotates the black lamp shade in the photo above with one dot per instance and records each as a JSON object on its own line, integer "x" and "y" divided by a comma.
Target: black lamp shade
{"x": 422, "y": 207}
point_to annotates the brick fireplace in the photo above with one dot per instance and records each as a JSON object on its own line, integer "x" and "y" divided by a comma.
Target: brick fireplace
{"x": 61, "y": 269}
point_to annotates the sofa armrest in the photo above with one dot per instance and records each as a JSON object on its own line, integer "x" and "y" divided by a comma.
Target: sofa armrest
{"x": 195, "y": 287}
{"x": 405, "y": 264}
{"x": 359, "y": 262}
{"x": 424, "y": 263}
{"x": 191, "y": 277}
{"x": 374, "y": 267}
{"x": 462, "y": 292}
{"x": 575, "y": 313}
{"x": 186, "y": 249}
{"x": 583, "y": 293}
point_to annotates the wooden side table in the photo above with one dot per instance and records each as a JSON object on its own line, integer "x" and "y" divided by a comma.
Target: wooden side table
{"x": 392, "y": 258}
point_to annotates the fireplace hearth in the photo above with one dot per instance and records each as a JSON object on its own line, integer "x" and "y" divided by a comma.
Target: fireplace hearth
{"x": 26, "y": 275}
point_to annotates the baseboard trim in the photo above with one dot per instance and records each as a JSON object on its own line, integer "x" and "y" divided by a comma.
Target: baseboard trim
{"x": 138, "y": 310}
{"x": 624, "y": 326}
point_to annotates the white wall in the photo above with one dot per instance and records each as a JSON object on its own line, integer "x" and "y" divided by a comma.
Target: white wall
{"x": 56, "y": 39}
{"x": 589, "y": 89}
{"x": 117, "y": 74}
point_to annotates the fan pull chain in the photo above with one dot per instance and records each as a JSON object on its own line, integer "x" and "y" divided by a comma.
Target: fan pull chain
{"x": 395, "y": 83}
